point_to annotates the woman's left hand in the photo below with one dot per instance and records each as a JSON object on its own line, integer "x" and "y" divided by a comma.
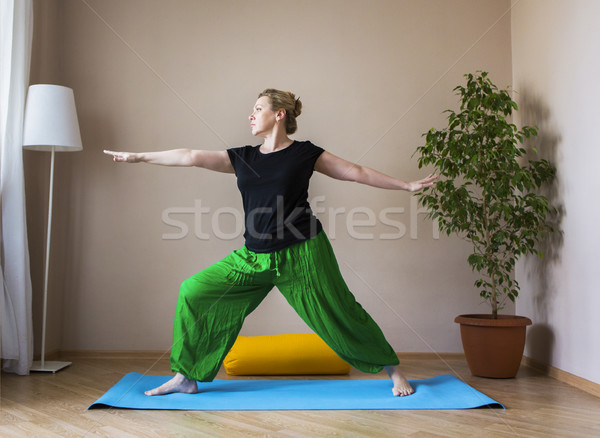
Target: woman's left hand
{"x": 417, "y": 186}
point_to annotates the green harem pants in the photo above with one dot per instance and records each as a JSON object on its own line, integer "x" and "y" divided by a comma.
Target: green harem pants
{"x": 213, "y": 304}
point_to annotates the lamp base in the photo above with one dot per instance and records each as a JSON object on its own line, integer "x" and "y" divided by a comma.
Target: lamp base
{"x": 50, "y": 366}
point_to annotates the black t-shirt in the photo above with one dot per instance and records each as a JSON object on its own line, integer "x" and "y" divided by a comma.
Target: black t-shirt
{"x": 274, "y": 189}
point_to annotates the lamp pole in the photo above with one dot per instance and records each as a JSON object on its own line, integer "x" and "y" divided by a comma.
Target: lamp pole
{"x": 47, "y": 260}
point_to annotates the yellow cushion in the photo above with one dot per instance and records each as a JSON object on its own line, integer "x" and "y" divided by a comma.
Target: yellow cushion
{"x": 303, "y": 353}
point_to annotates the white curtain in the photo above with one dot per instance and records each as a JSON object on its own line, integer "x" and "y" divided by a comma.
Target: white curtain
{"x": 16, "y": 28}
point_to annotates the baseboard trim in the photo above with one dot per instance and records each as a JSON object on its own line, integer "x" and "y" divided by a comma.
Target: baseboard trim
{"x": 157, "y": 354}
{"x": 113, "y": 354}
{"x": 430, "y": 356}
{"x": 563, "y": 376}
{"x": 50, "y": 355}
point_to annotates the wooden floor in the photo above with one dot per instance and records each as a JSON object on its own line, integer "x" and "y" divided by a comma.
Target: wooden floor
{"x": 48, "y": 405}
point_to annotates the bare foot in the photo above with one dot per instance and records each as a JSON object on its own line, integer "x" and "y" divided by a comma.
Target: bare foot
{"x": 401, "y": 385}
{"x": 179, "y": 383}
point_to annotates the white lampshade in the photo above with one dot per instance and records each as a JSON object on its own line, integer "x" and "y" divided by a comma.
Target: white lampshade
{"x": 51, "y": 119}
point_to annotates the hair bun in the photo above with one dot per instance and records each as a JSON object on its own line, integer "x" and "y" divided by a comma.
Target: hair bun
{"x": 297, "y": 108}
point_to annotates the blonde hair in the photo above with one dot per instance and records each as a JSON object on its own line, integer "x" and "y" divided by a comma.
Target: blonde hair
{"x": 287, "y": 101}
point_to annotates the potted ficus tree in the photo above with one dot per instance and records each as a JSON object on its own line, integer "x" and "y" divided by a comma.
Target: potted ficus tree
{"x": 487, "y": 194}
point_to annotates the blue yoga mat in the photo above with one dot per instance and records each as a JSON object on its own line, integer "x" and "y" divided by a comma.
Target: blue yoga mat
{"x": 441, "y": 392}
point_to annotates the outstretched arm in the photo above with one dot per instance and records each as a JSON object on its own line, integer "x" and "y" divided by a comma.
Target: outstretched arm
{"x": 213, "y": 160}
{"x": 338, "y": 168}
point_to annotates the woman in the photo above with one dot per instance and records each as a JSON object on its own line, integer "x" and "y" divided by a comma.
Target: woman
{"x": 285, "y": 246}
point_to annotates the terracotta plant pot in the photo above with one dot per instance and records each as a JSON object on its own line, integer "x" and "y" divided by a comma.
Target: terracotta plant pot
{"x": 493, "y": 347}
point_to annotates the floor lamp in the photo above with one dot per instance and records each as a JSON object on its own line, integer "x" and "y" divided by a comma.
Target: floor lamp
{"x": 50, "y": 125}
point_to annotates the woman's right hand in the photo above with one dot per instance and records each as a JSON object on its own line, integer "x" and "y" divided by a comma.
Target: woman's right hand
{"x": 124, "y": 157}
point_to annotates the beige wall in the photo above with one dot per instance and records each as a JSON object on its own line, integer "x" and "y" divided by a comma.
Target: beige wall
{"x": 556, "y": 68}
{"x": 45, "y": 68}
{"x": 151, "y": 75}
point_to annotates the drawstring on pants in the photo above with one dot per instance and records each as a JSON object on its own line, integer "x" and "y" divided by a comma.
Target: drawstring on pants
{"x": 277, "y": 273}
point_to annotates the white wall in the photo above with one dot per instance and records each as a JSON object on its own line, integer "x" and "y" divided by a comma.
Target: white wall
{"x": 556, "y": 69}
{"x": 151, "y": 74}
